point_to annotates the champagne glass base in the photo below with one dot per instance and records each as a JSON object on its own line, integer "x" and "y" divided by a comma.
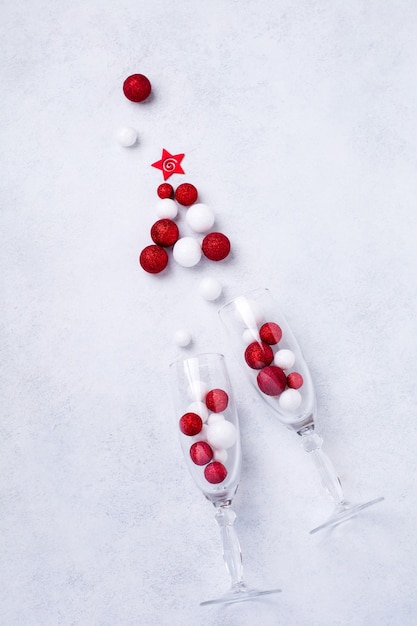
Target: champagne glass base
{"x": 343, "y": 512}
{"x": 240, "y": 593}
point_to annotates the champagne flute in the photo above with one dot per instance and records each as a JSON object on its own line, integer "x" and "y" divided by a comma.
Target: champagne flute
{"x": 264, "y": 345}
{"x": 209, "y": 435}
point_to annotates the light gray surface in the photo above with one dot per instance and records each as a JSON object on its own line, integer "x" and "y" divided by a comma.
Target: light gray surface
{"x": 298, "y": 121}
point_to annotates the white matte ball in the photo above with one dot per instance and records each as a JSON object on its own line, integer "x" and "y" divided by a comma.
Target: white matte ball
{"x": 199, "y": 218}
{"x": 215, "y": 417}
{"x": 199, "y": 408}
{"x": 284, "y": 358}
{"x": 166, "y": 208}
{"x": 209, "y": 288}
{"x": 220, "y": 455}
{"x": 221, "y": 434}
{"x": 197, "y": 390}
{"x": 290, "y": 399}
{"x": 187, "y": 251}
{"x": 127, "y": 136}
{"x": 250, "y": 335}
{"x": 182, "y": 338}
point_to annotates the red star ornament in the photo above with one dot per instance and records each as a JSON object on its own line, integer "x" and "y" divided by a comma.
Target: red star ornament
{"x": 169, "y": 164}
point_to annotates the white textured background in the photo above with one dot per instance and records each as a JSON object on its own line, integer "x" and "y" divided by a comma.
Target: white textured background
{"x": 298, "y": 120}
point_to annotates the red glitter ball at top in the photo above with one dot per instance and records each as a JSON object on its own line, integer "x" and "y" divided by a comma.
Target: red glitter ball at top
{"x": 258, "y": 355}
{"x": 272, "y": 380}
{"x": 190, "y": 424}
{"x": 137, "y": 87}
{"x": 165, "y": 190}
{"x": 153, "y": 259}
{"x": 201, "y": 453}
{"x": 165, "y": 232}
{"x": 215, "y": 246}
{"x": 215, "y": 472}
{"x": 295, "y": 380}
{"x": 270, "y": 333}
{"x": 217, "y": 400}
{"x": 186, "y": 194}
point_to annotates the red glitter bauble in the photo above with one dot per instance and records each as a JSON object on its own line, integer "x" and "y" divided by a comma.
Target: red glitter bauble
{"x": 272, "y": 380}
{"x": 165, "y": 190}
{"x": 217, "y": 400}
{"x": 215, "y": 472}
{"x": 186, "y": 194}
{"x": 137, "y": 87}
{"x": 165, "y": 232}
{"x": 270, "y": 333}
{"x": 295, "y": 380}
{"x": 201, "y": 453}
{"x": 258, "y": 355}
{"x": 215, "y": 246}
{"x": 190, "y": 424}
{"x": 153, "y": 259}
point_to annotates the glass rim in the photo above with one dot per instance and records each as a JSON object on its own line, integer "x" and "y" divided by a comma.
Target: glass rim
{"x": 179, "y": 360}
{"x": 245, "y": 294}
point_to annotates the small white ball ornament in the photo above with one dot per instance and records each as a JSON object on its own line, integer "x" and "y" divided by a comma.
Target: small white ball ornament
{"x": 127, "y": 136}
{"x": 187, "y": 251}
{"x": 221, "y": 435}
{"x": 197, "y": 390}
{"x": 215, "y": 417}
{"x": 290, "y": 399}
{"x": 249, "y": 335}
{"x": 199, "y": 217}
{"x": 220, "y": 455}
{"x": 284, "y": 358}
{"x": 209, "y": 288}
{"x": 182, "y": 338}
{"x": 166, "y": 208}
{"x": 199, "y": 408}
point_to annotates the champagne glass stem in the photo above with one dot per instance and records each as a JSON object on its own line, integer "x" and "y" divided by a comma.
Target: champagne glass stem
{"x": 312, "y": 443}
{"x": 232, "y": 554}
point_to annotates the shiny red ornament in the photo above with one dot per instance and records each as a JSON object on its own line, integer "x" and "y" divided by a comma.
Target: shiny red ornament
{"x": 190, "y": 424}
{"x": 270, "y": 332}
{"x": 169, "y": 164}
{"x": 295, "y": 380}
{"x": 201, "y": 453}
{"x": 165, "y": 190}
{"x": 215, "y": 472}
{"x": 153, "y": 259}
{"x": 272, "y": 380}
{"x": 137, "y": 87}
{"x": 258, "y": 355}
{"x": 165, "y": 232}
{"x": 215, "y": 246}
{"x": 217, "y": 400}
{"x": 186, "y": 194}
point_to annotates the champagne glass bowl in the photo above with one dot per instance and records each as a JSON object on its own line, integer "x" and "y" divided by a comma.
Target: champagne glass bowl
{"x": 267, "y": 350}
{"x": 208, "y": 429}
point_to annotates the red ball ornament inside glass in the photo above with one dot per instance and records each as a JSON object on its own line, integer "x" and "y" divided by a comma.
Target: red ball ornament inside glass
{"x": 295, "y": 380}
{"x": 137, "y": 87}
{"x": 258, "y": 355}
{"x": 186, "y": 194}
{"x": 165, "y": 190}
{"x": 217, "y": 400}
{"x": 215, "y": 472}
{"x": 270, "y": 333}
{"x": 272, "y": 380}
{"x": 165, "y": 232}
{"x": 201, "y": 453}
{"x": 191, "y": 424}
{"x": 153, "y": 259}
{"x": 215, "y": 246}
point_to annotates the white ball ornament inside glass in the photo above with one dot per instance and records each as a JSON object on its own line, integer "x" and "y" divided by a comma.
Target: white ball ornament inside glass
{"x": 127, "y": 136}
{"x": 221, "y": 434}
{"x": 199, "y": 408}
{"x": 284, "y": 358}
{"x": 199, "y": 217}
{"x": 290, "y": 399}
{"x": 187, "y": 251}
{"x": 166, "y": 208}
{"x": 209, "y": 288}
